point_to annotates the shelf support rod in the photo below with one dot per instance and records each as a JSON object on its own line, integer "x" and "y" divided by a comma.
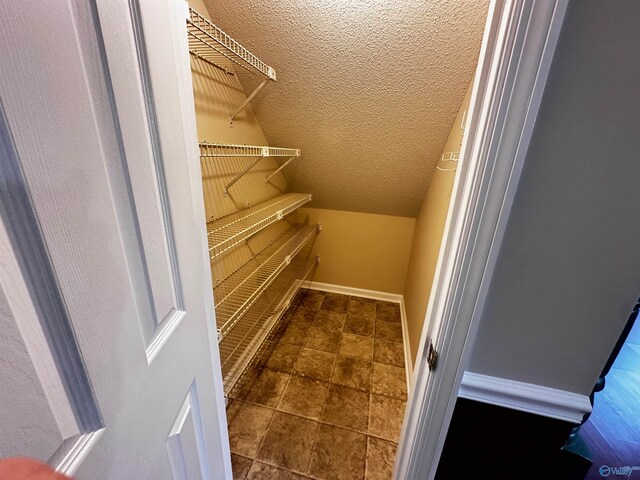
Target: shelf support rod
{"x": 266, "y": 180}
{"x": 246, "y": 102}
{"x": 265, "y": 153}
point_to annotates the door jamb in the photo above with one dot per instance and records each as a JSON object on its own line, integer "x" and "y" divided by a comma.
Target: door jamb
{"x": 517, "y": 50}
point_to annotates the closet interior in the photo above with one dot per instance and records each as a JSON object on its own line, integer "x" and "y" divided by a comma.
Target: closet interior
{"x": 340, "y": 388}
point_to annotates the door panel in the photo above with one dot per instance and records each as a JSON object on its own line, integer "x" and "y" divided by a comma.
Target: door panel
{"x": 98, "y": 112}
{"x": 186, "y": 442}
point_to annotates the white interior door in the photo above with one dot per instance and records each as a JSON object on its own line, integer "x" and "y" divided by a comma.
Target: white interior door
{"x": 108, "y": 355}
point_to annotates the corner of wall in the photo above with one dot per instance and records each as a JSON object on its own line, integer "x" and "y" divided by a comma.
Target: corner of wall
{"x": 429, "y": 228}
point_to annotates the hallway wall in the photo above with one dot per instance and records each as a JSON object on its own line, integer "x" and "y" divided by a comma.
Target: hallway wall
{"x": 568, "y": 273}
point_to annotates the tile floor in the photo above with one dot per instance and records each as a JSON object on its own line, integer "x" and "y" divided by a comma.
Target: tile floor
{"x": 328, "y": 397}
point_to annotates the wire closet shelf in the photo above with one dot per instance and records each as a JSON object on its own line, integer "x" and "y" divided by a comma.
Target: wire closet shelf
{"x": 229, "y": 150}
{"x": 231, "y": 230}
{"x": 246, "y": 343}
{"x": 240, "y": 290}
{"x": 209, "y": 43}
{"x": 220, "y": 150}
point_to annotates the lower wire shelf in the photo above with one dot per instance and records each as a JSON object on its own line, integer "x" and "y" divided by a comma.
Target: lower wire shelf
{"x": 242, "y": 347}
{"x": 237, "y": 293}
{"x": 227, "y": 232}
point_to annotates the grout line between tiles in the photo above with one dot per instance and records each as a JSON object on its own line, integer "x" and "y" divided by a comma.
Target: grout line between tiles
{"x": 274, "y": 412}
{"x": 324, "y": 404}
{"x": 318, "y": 426}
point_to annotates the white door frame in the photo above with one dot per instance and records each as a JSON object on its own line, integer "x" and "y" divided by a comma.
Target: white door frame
{"x": 518, "y": 46}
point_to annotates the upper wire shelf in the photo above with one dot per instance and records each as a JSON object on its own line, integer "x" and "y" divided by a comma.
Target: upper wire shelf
{"x": 235, "y": 295}
{"x": 244, "y": 344}
{"x": 229, "y": 150}
{"x": 213, "y": 150}
{"x": 209, "y": 43}
{"x": 231, "y": 230}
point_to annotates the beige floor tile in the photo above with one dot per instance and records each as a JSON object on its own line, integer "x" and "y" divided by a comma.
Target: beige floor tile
{"x": 262, "y": 471}
{"x": 288, "y": 442}
{"x": 385, "y": 417}
{"x": 351, "y": 372}
{"x": 312, "y": 299}
{"x": 284, "y": 357}
{"x": 295, "y": 334}
{"x": 347, "y": 408}
{"x": 314, "y": 364}
{"x": 323, "y": 339}
{"x": 338, "y": 454}
{"x": 389, "y": 312}
{"x": 335, "y": 303}
{"x": 356, "y": 346}
{"x": 389, "y": 331}
{"x": 304, "y": 397}
{"x": 381, "y": 457}
{"x": 362, "y": 307}
{"x": 240, "y": 466}
{"x": 264, "y": 386}
{"x": 247, "y": 426}
{"x": 389, "y": 380}
{"x": 359, "y": 324}
{"x": 391, "y": 353}
{"x": 329, "y": 320}
{"x": 303, "y": 316}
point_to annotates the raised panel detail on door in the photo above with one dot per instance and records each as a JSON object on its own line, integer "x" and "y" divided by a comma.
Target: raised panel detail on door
{"x": 148, "y": 170}
{"x": 27, "y": 419}
{"x": 185, "y": 443}
{"x": 146, "y": 165}
{"x": 47, "y": 406}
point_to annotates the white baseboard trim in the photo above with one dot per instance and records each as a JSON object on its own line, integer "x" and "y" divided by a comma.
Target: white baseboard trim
{"x": 525, "y": 397}
{"x": 408, "y": 361}
{"x": 375, "y": 295}
{"x": 356, "y": 292}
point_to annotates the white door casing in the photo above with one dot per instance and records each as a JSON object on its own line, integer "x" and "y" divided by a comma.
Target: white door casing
{"x": 105, "y": 294}
{"x": 517, "y": 49}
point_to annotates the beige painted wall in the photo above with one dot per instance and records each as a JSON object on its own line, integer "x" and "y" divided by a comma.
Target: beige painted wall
{"x": 216, "y": 94}
{"x": 362, "y": 250}
{"x": 428, "y": 235}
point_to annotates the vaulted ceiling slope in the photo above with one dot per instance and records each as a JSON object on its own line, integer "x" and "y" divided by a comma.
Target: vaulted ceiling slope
{"x": 368, "y": 89}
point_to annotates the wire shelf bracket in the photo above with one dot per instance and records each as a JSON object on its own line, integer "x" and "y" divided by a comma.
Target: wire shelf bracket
{"x": 231, "y": 230}
{"x": 450, "y": 157}
{"x": 212, "y": 150}
{"x": 209, "y": 43}
{"x": 279, "y": 169}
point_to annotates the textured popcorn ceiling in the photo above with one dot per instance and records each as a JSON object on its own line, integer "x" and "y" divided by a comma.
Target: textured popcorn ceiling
{"x": 367, "y": 89}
